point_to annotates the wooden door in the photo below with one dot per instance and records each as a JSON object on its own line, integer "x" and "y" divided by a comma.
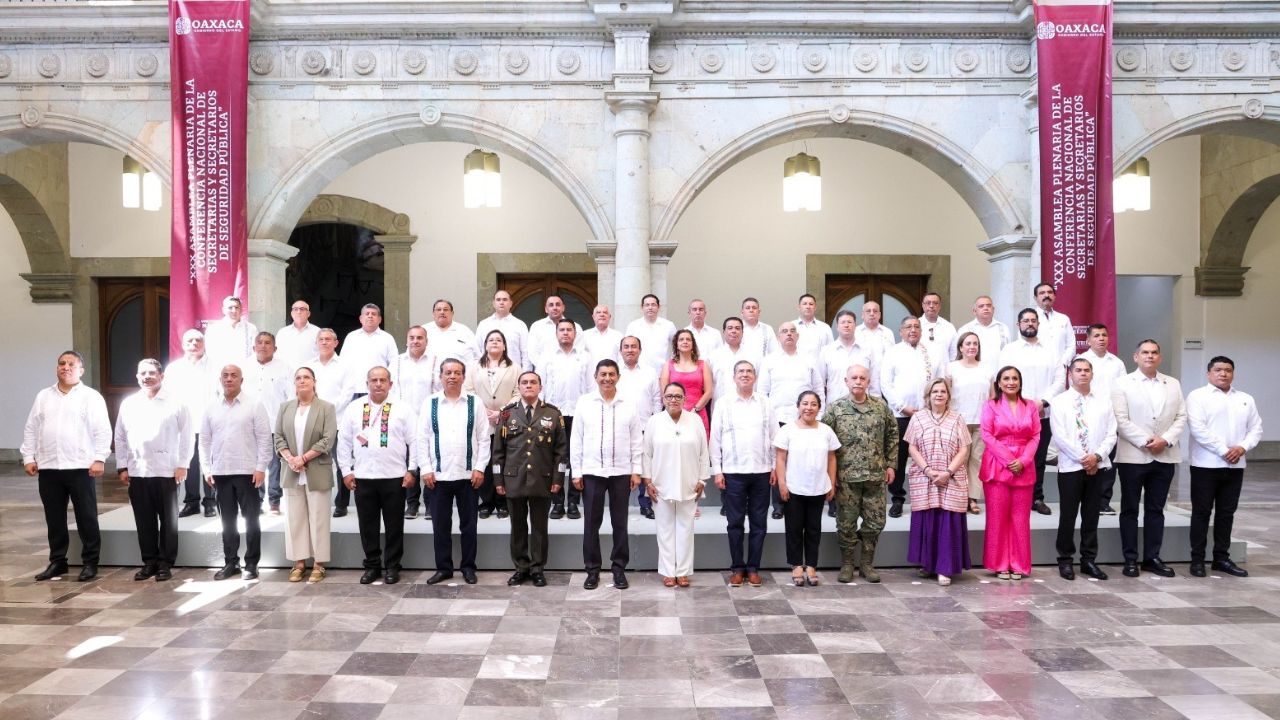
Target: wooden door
{"x": 133, "y": 323}
{"x": 898, "y": 295}
{"x": 529, "y": 293}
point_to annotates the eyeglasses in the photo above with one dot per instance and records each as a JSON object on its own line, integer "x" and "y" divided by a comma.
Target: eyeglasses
{"x": 299, "y": 309}
{"x": 673, "y": 397}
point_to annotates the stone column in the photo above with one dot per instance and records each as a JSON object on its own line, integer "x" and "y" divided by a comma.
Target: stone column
{"x": 1011, "y": 280}
{"x": 1030, "y": 99}
{"x": 396, "y": 283}
{"x": 267, "y": 303}
{"x": 632, "y": 278}
{"x": 659, "y": 258}
{"x": 606, "y": 271}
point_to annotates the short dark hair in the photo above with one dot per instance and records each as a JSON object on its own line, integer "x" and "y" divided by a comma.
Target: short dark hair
{"x": 1096, "y": 326}
{"x": 1036, "y": 290}
{"x": 564, "y": 320}
{"x": 454, "y": 361}
{"x": 371, "y": 306}
{"x": 1144, "y": 342}
{"x": 672, "y": 384}
{"x": 79, "y": 358}
{"x": 1214, "y": 361}
{"x": 850, "y": 313}
{"x": 1084, "y": 360}
{"x": 605, "y": 363}
{"x": 807, "y": 295}
{"x": 748, "y": 299}
{"x": 650, "y": 295}
{"x": 264, "y": 332}
{"x": 740, "y": 363}
{"x": 631, "y": 337}
{"x": 732, "y": 318}
{"x": 927, "y": 294}
{"x": 442, "y": 300}
{"x": 529, "y": 372}
{"x": 1024, "y": 311}
{"x": 800, "y": 397}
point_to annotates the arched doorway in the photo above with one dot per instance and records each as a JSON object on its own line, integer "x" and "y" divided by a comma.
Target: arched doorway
{"x": 338, "y": 269}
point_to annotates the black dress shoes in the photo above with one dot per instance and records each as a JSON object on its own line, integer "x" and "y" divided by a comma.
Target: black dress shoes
{"x": 1197, "y": 569}
{"x": 1130, "y": 568}
{"x": 250, "y": 572}
{"x": 647, "y": 512}
{"x": 339, "y": 512}
{"x": 895, "y": 509}
{"x": 776, "y": 514}
{"x": 539, "y": 580}
{"x": 469, "y": 577}
{"x": 573, "y": 512}
{"x": 1040, "y": 507}
{"x": 226, "y": 572}
{"x": 620, "y": 580}
{"x": 89, "y": 572}
{"x": 503, "y": 514}
{"x": 1158, "y": 567}
{"x": 54, "y": 570}
{"x": 211, "y": 512}
{"x": 1064, "y": 569}
{"x": 557, "y": 512}
{"x": 147, "y": 572}
{"x": 592, "y": 582}
{"x": 517, "y": 578}
{"x": 163, "y": 574}
{"x": 370, "y": 575}
{"x": 484, "y": 513}
{"x": 1090, "y": 568}
{"x": 410, "y": 512}
{"x": 392, "y": 577}
{"x": 439, "y": 577}
{"x": 1228, "y": 567}
{"x": 188, "y": 511}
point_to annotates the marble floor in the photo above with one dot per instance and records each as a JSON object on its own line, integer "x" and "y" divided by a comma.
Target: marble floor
{"x": 1041, "y": 648}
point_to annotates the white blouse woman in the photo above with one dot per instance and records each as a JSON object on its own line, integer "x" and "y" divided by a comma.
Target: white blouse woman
{"x": 676, "y": 469}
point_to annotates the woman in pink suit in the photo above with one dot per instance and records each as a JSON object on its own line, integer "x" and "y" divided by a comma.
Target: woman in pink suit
{"x": 1011, "y": 431}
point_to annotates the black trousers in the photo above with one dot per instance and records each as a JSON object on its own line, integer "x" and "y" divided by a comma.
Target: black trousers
{"x": 1108, "y": 488}
{"x": 1145, "y": 484}
{"x": 1080, "y": 494}
{"x": 237, "y": 493}
{"x": 804, "y": 529}
{"x": 417, "y": 493}
{"x": 57, "y": 487}
{"x": 155, "y": 513}
{"x": 529, "y": 541}
{"x": 746, "y": 497}
{"x": 446, "y": 494}
{"x": 487, "y": 496}
{"x": 775, "y": 497}
{"x": 381, "y": 499}
{"x": 898, "y": 488}
{"x": 195, "y": 484}
{"x": 594, "y": 489}
{"x": 1042, "y": 453}
{"x": 1216, "y": 492}
{"x": 572, "y": 494}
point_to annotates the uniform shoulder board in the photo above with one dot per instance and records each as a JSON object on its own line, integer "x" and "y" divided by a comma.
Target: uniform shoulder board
{"x": 511, "y": 405}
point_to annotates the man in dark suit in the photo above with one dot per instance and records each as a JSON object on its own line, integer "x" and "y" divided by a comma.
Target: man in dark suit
{"x": 530, "y": 451}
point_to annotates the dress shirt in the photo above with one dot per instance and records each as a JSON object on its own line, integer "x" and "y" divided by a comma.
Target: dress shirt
{"x": 940, "y": 337}
{"x": 813, "y": 336}
{"x": 542, "y": 340}
{"x": 607, "y": 438}
{"x": 877, "y": 341}
{"x": 970, "y": 390}
{"x": 991, "y": 338}
{"x": 1058, "y": 333}
{"x": 566, "y": 376}
{"x": 1099, "y": 420}
{"x": 807, "y": 453}
{"x": 905, "y": 374}
{"x": 455, "y": 341}
{"x": 1043, "y": 376}
{"x": 226, "y": 345}
{"x": 1219, "y": 421}
{"x": 454, "y": 418}
{"x": 362, "y": 351}
{"x": 675, "y": 455}
{"x": 332, "y": 384}
{"x": 235, "y": 437}
{"x": 742, "y": 431}
{"x": 295, "y": 347}
{"x": 413, "y": 381}
{"x": 834, "y": 362}
{"x": 640, "y": 385}
{"x": 758, "y": 342}
{"x": 1107, "y": 371}
{"x": 154, "y": 436}
{"x": 655, "y": 340}
{"x": 708, "y": 339}
{"x": 601, "y": 345}
{"x": 783, "y": 379}
{"x": 195, "y": 383}
{"x": 271, "y": 383}
{"x": 1147, "y": 408}
{"x": 371, "y": 459}
{"x": 67, "y": 431}
{"x": 722, "y": 362}
{"x": 516, "y": 333}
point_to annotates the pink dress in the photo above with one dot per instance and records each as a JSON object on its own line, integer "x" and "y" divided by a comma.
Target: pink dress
{"x": 693, "y": 390}
{"x": 1006, "y": 545}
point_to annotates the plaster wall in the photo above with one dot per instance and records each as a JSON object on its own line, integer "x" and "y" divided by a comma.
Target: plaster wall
{"x": 100, "y": 226}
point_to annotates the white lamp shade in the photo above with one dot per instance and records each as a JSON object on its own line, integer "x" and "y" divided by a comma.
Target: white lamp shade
{"x": 131, "y": 184}
{"x": 152, "y": 194}
{"x": 801, "y": 183}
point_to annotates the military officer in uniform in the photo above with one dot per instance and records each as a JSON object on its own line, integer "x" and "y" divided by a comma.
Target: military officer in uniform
{"x": 530, "y": 452}
{"x": 865, "y": 464}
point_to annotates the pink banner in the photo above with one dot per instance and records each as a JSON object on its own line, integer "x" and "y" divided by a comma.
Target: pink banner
{"x": 1077, "y": 235}
{"x": 209, "y": 77}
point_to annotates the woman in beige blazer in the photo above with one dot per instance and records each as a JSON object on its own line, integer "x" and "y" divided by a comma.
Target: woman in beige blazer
{"x": 493, "y": 380}
{"x": 305, "y": 432}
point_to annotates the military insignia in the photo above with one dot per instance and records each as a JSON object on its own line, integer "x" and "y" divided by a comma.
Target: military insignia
{"x": 546, "y": 422}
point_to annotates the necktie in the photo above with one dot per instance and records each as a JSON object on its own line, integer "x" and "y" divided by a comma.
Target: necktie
{"x": 528, "y": 414}
{"x": 928, "y": 366}
{"x": 1082, "y": 431}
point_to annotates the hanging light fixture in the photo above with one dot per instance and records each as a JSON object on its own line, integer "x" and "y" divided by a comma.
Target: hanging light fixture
{"x": 151, "y": 192}
{"x": 801, "y": 183}
{"x": 481, "y": 180}
{"x": 1132, "y": 190}
{"x": 131, "y": 183}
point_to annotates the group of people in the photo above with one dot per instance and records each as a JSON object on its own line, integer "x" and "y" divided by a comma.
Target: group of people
{"x": 535, "y": 423}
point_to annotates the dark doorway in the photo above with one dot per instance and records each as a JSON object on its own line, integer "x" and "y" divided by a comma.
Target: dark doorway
{"x": 337, "y": 270}
{"x": 133, "y": 323}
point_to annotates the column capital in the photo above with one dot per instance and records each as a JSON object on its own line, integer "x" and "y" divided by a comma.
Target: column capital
{"x": 620, "y": 100}
{"x": 50, "y": 287}
{"x": 1008, "y": 246}
{"x": 271, "y": 249}
{"x": 396, "y": 243}
{"x": 1211, "y": 281}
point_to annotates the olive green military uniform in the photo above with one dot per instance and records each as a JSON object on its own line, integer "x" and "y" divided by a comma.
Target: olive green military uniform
{"x": 868, "y": 435}
{"x": 530, "y": 451}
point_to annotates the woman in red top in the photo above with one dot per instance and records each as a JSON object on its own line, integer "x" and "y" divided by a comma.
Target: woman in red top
{"x": 685, "y": 368}
{"x": 1011, "y": 431}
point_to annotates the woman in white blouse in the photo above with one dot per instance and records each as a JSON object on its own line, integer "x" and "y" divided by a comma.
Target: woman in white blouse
{"x": 305, "y": 432}
{"x": 676, "y": 468}
{"x": 972, "y": 385}
{"x": 492, "y": 379}
{"x": 806, "y": 469}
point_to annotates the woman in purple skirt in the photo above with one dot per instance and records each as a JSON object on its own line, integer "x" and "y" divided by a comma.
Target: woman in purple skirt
{"x": 938, "y": 486}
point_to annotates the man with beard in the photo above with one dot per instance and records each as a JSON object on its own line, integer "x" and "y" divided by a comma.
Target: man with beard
{"x": 1043, "y": 376}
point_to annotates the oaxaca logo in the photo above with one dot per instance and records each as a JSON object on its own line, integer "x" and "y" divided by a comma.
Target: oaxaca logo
{"x": 185, "y": 26}
{"x": 1047, "y": 30}
{"x": 1044, "y": 30}
{"x": 182, "y": 26}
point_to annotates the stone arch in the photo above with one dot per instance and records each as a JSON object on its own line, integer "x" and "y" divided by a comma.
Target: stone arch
{"x": 36, "y": 127}
{"x": 978, "y": 185}
{"x": 354, "y": 211}
{"x": 292, "y": 193}
{"x": 1232, "y": 120}
{"x": 45, "y": 249}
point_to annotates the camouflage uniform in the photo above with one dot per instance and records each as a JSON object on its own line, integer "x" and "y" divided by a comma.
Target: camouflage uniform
{"x": 868, "y": 435}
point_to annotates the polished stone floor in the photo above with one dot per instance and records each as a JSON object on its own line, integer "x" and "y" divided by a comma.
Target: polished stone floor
{"x": 1040, "y": 648}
